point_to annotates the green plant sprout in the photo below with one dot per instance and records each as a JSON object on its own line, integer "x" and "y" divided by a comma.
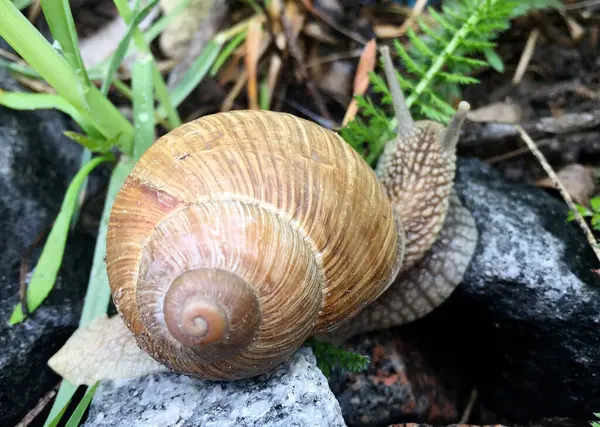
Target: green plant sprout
{"x": 594, "y": 213}
{"x": 330, "y": 357}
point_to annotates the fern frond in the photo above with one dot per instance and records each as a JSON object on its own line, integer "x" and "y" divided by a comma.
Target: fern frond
{"x": 459, "y": 40}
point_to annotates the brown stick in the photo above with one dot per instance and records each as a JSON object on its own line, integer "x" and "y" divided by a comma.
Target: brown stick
{"x": 566, "y": 196}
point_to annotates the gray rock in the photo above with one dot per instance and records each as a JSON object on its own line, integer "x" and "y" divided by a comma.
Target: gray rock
{"x": 525, "y": 323}
{"x": 296, "y": 394}
{"x": 37, "y": 163}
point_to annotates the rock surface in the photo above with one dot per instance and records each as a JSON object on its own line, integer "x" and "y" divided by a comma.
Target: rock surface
{"x": 398, "y": 385}
{"x": 296, "y": 394}
{"x": 36, "y": 166}
{"x": 525, "y": 323}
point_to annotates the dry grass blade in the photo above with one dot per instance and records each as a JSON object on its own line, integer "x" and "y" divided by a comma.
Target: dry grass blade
{"x": 564, "y": 193}
{"x": 366, "y": 64}
{"x": 526, "y": 56}
{"x": 414, "y": 14}
{"x": 253, "y": 42}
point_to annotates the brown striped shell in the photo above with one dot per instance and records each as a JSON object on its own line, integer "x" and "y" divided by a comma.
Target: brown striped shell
{"x": 239, "y": 235}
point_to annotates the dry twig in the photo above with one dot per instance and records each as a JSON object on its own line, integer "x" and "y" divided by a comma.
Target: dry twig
{"x": 564, "y": 193}
{"x": 526, "y": 56}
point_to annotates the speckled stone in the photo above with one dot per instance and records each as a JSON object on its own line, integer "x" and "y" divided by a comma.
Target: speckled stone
{"x": 37, "y": 163}
{"x": 524, "y": 325}
{"x": 296, "y": 394}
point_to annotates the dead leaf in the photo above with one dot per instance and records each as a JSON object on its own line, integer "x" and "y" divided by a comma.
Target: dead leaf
{"x": 366, "y": 64}
{"x": 105, "y": 349}
{"x": 498, "y": 112}
{"x": 579, "y": 181}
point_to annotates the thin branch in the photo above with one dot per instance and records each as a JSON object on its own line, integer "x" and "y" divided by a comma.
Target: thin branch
{"x": 566, "y": 196}
{"x": 526, "y": 56}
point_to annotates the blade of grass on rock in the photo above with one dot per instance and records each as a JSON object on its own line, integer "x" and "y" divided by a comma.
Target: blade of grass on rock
{"x": 117, "y": 57}
{"x": 82, "y": 406}
{"x": 97, "y": 297}
{"x": 46, "y": 270}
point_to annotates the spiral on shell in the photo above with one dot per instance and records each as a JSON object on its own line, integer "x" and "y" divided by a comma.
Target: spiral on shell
{"x": 239, "y": 235}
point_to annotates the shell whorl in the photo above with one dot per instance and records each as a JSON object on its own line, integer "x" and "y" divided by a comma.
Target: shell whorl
{"x": 239, "y": 235}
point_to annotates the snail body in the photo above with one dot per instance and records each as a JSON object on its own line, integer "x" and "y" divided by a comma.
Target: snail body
{"x": 239, "y": 235}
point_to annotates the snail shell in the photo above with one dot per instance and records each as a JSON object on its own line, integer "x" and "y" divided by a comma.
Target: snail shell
{"x": 239, "y": 235}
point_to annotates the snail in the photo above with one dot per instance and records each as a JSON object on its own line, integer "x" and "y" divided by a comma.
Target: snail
{"x": 238, "y": 236}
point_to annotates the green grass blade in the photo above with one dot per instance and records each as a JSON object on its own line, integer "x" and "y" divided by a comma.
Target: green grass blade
{"x": 143, "y": 105}
{"x": 61, "y": 403}
{"x": 159, "y": 26}
{"x": 45, "y": 101}
{"x": 97, "y": 297}
{"x": 194, "y": 75}
{"x": 160, "y": 86}
{"x": 117, "y": 57}
{"x": 60, "y": 20}
{"x": 39, "y": 53}
{"x": 50, "y": 260}
{"x": 46, "y": 270}
{"x": 227, "y": 51}
{"x": 22, "y": 4}
{"x": 81, "y": 407}
{"x": 56, "y": 71}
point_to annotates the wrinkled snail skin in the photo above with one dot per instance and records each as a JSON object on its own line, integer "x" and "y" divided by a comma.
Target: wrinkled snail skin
{"x": 239, "y": 235}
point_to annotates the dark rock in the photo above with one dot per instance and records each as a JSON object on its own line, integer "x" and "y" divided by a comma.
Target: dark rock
{"x": 398, "y": 385}
{"x": 549, "y": 422}
{"x": 525, "y": 323}
{"x": 36, "y": 166}
{"x": 295, "y": 394}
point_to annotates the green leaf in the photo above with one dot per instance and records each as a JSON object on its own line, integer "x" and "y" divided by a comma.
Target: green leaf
{"x": 595, "y": 203}
{"x": 60, "y": 20}
{"x": 46, "y": 270}
{"x": 330, "y": 357}
{"x": 198, "y": 70}
{"x": 46, "y": 101}
{"x": 143, "y": 105}
{"x": 117, "y": 57}
{"x": 596, "y": 221}
{"x": 82, "y": 406}
{"x": 494, "y": 59}
{"x": 97, "y": 297}
{"x": 93, "y": 144}
{"x": 31, "y": 45}
{"x": 226, "y": 52}
{"x": 22, "y": 4}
